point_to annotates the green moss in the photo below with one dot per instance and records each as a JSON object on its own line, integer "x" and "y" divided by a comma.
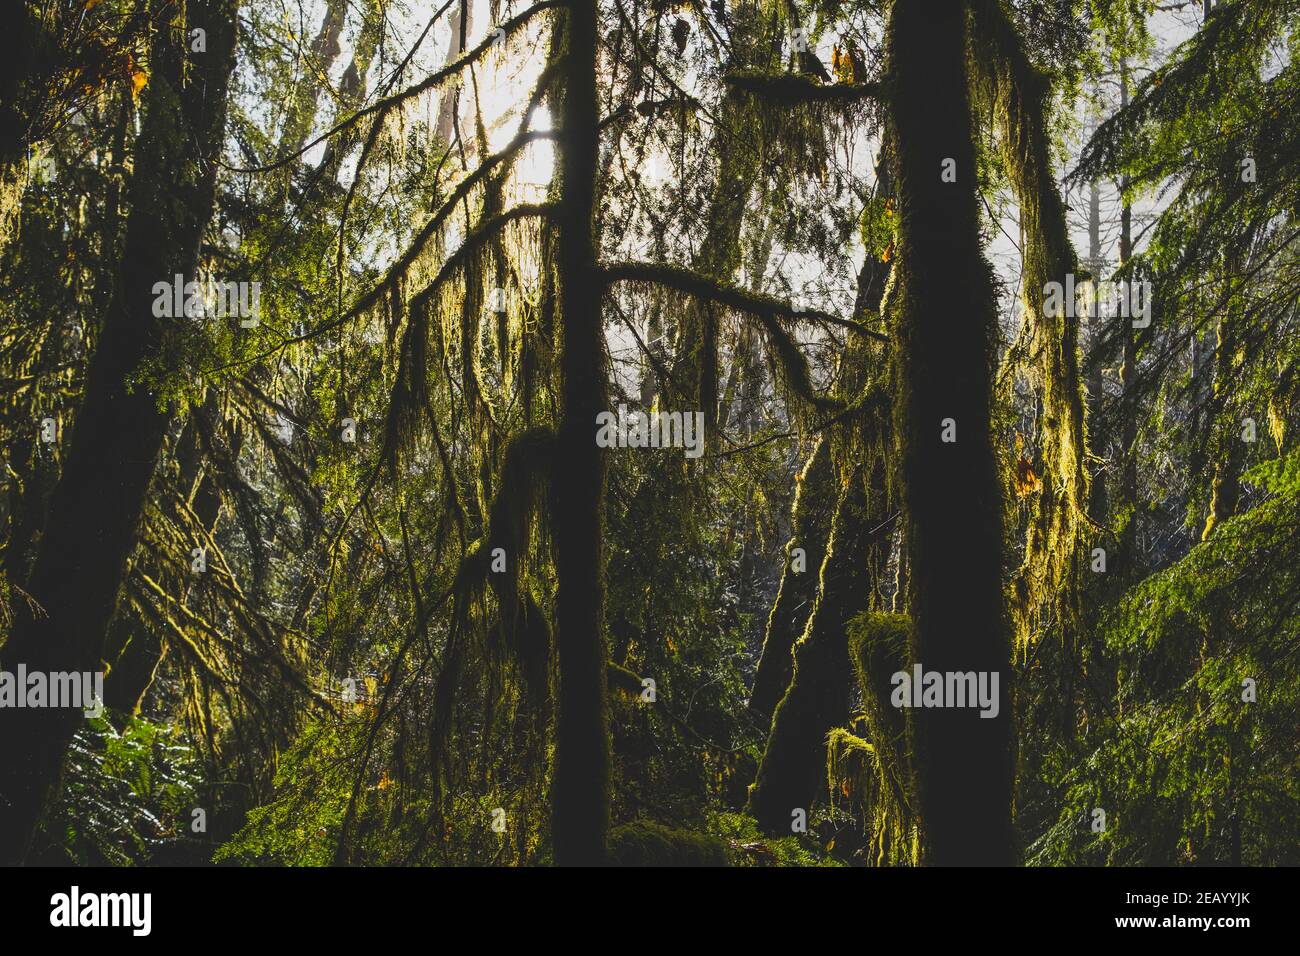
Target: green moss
{"x": 642, "y": 843}
{"x": 1046, "y": 351}
{"x": 621, "y": 678}
{"x": 751, "y": 847}
{"x": 874, "y": 774}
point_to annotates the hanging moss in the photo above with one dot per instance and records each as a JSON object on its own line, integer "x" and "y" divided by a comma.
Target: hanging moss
{"x": 878, "y": 779}
{"x": 854, "y": 774}
{"x": 771, "y": 314}
{"x": 878, "y": 646}
{"x": 522, "y": 632}
{"x": 791, "y": 90}
{"x": 1047, "y": 351}
{"x": 1226, "y": 486}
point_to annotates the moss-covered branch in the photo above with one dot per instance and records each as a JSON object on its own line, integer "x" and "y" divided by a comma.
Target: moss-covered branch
{"x": 792, "y": 89}
{"x": 475, "y": 241}
{"x": 421, "y": 241}
{"x": 430, "y": 82}
{"x": 702, "y": 287}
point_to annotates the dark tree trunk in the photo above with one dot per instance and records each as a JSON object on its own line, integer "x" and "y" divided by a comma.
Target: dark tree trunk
{"x": 580, "y": 781}
{"x": 95, "y": 508}
{"x": 817, "y": 700}
{"x": 134, "y": 648}
{"x": 1098, "y": 506}
{"x": 810, "y": 519}
{"x": 1128, "y": 490}
{"x": 944, "y": 317}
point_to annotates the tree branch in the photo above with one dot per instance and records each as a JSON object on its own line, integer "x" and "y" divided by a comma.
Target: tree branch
{"x": 702, "y": 287}
{"x": 429, "y": 82}
{"x": 790, "y": 89}
{"x": 476, "y": 240}
{"x": 416, "y": 246}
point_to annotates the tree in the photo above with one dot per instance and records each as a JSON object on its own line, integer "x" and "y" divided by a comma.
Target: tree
{"x": 96, "y": 505}
{"x": 941, "y": 312}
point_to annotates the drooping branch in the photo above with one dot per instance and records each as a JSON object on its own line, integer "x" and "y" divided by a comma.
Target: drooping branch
{"x": 476, "y": 240}
{"x": 741, "y": 300}
{"x": 399, "y": 268}
{"x": 791, "y": 89}
{"x": 381, "y": 107}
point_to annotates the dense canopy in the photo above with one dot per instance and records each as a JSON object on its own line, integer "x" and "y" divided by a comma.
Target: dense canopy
{"x": 754, "y": 432}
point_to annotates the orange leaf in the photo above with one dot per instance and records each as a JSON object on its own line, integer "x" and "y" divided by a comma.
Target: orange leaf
{"x": 136, "y": 74}
{"x": 1026, "y": 481}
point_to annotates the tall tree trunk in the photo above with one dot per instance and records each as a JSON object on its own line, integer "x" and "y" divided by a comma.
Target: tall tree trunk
{"x": 1128, "y": 380}
{"x": 134, "y": 648}
{"x": 943, "y": 315}
{"x": 95, "y": 508}
{"x": 1097, "y": 505}
{"x": 817, "y": 678}
{"x": 817, "y": 700}
{"x": 580, "y": 781}
{"x": 305, "y": 94}
{"x": 461, "y": 24}
{"x": 719, "y": 253}
{"x": 810, "y": 518}
{"x": 1047, "y": 584}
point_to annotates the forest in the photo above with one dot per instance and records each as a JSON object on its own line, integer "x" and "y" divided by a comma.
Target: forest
{"x": 751, "y": 433}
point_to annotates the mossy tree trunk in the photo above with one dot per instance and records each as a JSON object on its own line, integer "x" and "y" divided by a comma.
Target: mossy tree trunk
{"x": 817, "y": 678}
{"x": 719, "y": 254}
{"x": 1048, "y": 582}
{"x": 580, "y": 781}
{"x": 1098, "y": 506}
{"x": 817, "y": 700}
{"x": 134, "y": 648}
{"x": 943, "y": 321}
{"x": 810, "y": 518}
{"x": 1128, "y": 484}
{"x": 1226, "y": 486}
{"x": 95, "y": 508}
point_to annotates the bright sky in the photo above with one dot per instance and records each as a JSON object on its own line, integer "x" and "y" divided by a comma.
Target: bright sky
{"x": 503, "y": 82}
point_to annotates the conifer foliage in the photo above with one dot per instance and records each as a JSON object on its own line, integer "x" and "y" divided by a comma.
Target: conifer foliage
{"x": 755, "y": 433}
